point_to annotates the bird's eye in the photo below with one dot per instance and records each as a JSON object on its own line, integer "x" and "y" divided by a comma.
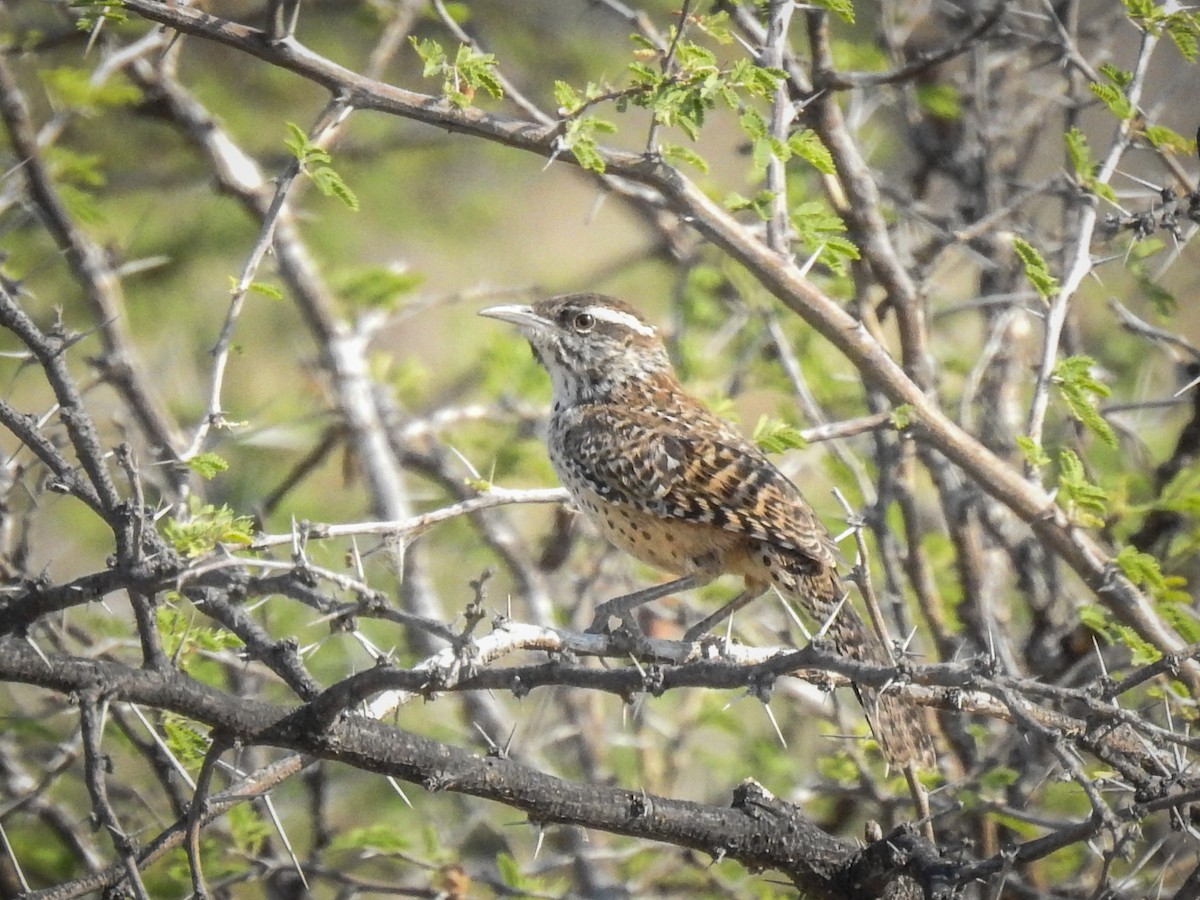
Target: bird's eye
{"x": 584, "y": 322}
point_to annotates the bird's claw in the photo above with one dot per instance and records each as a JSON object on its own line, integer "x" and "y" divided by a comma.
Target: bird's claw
{"x": 627, "y": 636}
{"x": 602, "y": 620}
{"x": 600, "y": 624}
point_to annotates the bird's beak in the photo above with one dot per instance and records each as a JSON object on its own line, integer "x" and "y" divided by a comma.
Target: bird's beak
{"x": 522, "y": 316}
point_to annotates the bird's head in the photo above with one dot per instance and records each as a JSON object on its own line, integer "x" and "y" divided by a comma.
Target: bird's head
{"x": 593, "y": 346}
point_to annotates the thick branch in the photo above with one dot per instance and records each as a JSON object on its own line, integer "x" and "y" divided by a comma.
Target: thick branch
{"x": 757, "y": 830}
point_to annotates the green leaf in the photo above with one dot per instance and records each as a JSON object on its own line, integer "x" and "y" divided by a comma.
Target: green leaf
{"x": 676, "y": 153}
{"x": 588, "y": 156}
{"x": 580, "y": 139}
{"x": 80, "y": 204}
{"x": 692, "y": 56}
{"x": 755, "y": 80}
{"x": 1139, "y": 567}
{"x": 73, "y": 88}
{"x": 763, "y": 150}
{"x": 297, "y": 141}
{"x": 835, "y": 251}
{"x": 1085, "y": 503}
{"x": 1036, "y": 270}
{"x": 815, "y": 215}
{"x": 808, "y": 146}
{"x": 683, "y": 97}
{"x": 1146, "y": 248}
{"x": 1112, "y": 97}
{"x": 75, "y": 174}
{"x": 753, "y": 124}
{"x": 376, "y": 287}
{"x": 643, "y": 75}
{"x": 715, "y": 26}
{"x": 184, "y": 741}
{"x": 248, "y": 829}
{"x": 776, "y": 436}
{"x": 1079, "y": 153}
{"x": 460, "y": 12}
{"x": 173, "y": 627}
{"x": 207, "y": 527}
{"x": 314, "y": 162}
{"x": 81, "y": 169}
{"x": 470, "y": 72}
{"x": 843, "y": 9}
{"x": 478, "y": 70}
{"x": 510, "y": 871}
{"x": 1033, "y": 452}
{"x": 1183, "y": 27}
{"x": 1096, "y": 618}
{"x": 1080, "y": 156}
{"x": 1100, "y": 620}
{"x": 901, "y": 416}
{"x": 1163, "y": 301}
{"x": 265, "y": 290}
{"x": 331, "y": 184}
{"x": 1144, "y": 570}
{"x": 207, "y": 465}
{"x": 820, "y": 231}
{"x": 999, "y": 778}
{"x": 1073, "y": 378}
{"x": 940, "y": 99}
{"x": 1143, "y": 10}
{"x": 567, "y": 99}
{"x": 432, "y": 55}
{"x": 368, "y": 838}
{"x": 93, "y": 11}
{"x": 838, "y": 767}
{"x": 1164, "y": 138}
{"x": 1117, "y": 76}
{"x": 1178, "y": 614}
{"x": 760, "y": 203}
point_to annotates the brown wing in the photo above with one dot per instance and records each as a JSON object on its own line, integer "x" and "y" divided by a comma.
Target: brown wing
{"x": 698, "y": 471}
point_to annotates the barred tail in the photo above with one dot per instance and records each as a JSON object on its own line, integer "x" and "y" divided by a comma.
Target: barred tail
{"x": 897, "y": 725}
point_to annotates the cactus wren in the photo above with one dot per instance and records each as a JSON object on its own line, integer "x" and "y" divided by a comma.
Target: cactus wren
{"x": 667, "y": 481}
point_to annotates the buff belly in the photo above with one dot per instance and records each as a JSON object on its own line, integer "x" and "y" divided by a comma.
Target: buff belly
{"x": 673, "y": 545}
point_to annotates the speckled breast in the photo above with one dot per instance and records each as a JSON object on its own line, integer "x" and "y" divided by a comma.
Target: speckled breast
{"x": 674, "y": 545}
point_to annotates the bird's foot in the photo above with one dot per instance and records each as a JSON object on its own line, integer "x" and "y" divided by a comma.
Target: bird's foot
{"x": 602, "y": 621}
{"x": 701, "y": 629}
{"x": 621, "y": 628}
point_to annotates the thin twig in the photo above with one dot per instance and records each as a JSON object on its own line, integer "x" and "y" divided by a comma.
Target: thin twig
{"x": 1078, "y": 257}
{"x": 410, "y": 527}
{"x": 779, "y": 16}
{"x": 91, "y": 716}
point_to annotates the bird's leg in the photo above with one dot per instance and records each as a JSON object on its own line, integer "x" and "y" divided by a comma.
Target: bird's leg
{"x": 702, "y": 627}
{"x": 623, "y": 605}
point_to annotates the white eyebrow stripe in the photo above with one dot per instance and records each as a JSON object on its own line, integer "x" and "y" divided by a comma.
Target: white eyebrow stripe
{"x": 616, "y": 317}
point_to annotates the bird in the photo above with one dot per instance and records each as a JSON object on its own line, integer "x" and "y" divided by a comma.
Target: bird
{"x": 679, "y": 488}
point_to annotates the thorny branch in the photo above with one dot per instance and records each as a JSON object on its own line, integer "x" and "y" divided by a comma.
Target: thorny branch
{"x": 210, "y": 644}
{"x": 317, "y": 729}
